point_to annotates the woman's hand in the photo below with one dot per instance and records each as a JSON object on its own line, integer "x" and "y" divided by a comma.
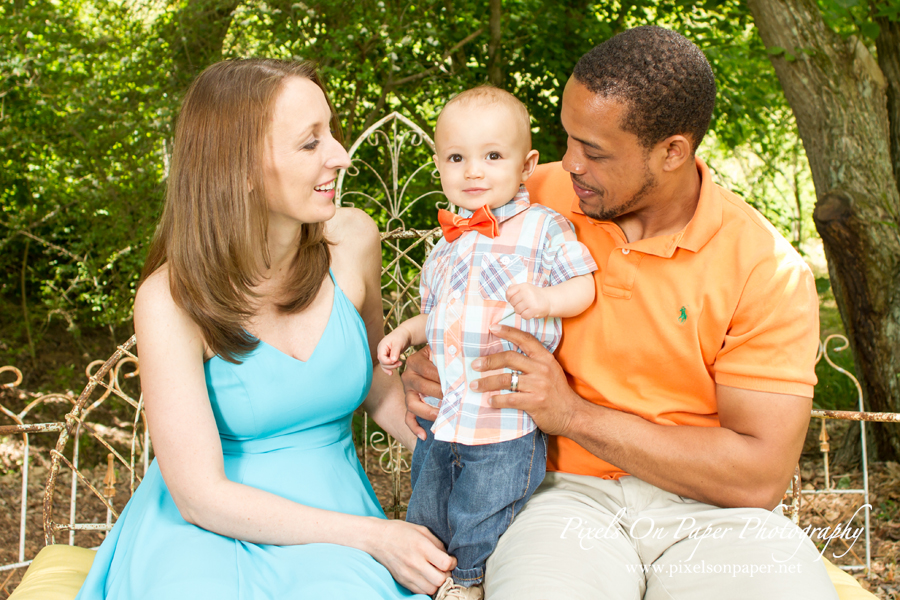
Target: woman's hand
{"x": 420, "y": 379}
{"x": 413, "y": 555}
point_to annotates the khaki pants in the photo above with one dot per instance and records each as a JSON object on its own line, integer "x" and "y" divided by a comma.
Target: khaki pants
{"x": 582, "y": 538}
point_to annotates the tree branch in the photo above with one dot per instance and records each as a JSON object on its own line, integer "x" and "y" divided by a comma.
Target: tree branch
{"x": 444, "y": 57}
{"x": 59, "y": 249}
{"x": 414, "y": 115}
{"x": 379, "y": 105}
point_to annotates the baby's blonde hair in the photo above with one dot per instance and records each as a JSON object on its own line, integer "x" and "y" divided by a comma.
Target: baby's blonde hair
{"x": 484, "y": 95}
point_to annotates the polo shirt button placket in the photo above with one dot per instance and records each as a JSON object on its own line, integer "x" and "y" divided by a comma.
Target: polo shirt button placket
{"x": 620, "y": 274}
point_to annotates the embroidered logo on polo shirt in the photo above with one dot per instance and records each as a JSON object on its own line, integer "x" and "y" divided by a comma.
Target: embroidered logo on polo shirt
{"x": 682, "y": 314}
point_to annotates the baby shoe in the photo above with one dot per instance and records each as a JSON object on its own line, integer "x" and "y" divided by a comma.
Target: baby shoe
{"x": 453, "y": 591}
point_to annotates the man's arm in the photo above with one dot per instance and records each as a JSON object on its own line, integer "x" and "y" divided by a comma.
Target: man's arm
{"x": 748, "y": 461}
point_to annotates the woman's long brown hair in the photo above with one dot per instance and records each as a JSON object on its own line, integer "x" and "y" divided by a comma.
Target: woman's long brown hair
{"x": 212, "y": 234}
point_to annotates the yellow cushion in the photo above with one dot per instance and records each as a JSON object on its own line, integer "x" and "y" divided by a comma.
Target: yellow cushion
{"x": 847, "y": 586}
{"x": 56, "y": 573}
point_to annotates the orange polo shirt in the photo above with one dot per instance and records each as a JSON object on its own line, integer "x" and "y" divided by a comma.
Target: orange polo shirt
{"x": 727, "y": 300}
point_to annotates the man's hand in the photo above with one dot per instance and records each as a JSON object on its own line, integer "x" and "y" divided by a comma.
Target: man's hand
{"x": 543, "y": 392}
{"x": 529, "y": 301}
{"x": 420, "y": 379}
{"x": 745, "y": 462}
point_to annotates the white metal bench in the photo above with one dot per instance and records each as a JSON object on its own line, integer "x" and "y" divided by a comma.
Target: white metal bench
{"x": 102, "y": 447}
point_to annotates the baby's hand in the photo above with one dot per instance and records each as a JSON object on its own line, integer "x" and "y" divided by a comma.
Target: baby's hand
{"x": 390, "y": 348}
{"x": 529, "y": 301}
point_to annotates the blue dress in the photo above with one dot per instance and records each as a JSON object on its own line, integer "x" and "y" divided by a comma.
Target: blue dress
{"x": 285, "y": 428}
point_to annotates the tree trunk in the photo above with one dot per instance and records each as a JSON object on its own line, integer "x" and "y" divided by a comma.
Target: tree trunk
{"x": 495, "y": 64}
{"x": 888, "y": 46}
{"x": 195, "y": 35}
{"x": 838, "y": 94}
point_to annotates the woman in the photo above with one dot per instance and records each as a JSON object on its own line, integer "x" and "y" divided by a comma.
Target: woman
{"x": 256, "y": 321}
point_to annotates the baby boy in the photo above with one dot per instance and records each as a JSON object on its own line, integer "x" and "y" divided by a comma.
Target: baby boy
{"x": 501, "y": 260}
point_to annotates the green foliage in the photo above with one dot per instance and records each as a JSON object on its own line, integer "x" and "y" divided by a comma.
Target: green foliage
{"x": 888, "y": 511}
{"x": 81, "y": 149}
{"x": 834, "y": 390}
{"x": 90, "y": 89}
{"x": 859, "y": 17}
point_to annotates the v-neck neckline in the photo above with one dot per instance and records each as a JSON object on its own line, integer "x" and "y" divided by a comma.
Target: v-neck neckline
{"x": 334, "y": 295}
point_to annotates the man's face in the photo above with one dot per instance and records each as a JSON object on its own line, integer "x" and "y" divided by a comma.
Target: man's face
{"x": 610, "y": 169}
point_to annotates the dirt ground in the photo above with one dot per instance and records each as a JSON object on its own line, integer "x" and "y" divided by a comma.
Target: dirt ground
{"x": 828, "y": 511}
{"x": 817, "y": 511}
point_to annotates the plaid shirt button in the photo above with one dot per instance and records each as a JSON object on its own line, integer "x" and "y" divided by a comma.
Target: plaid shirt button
{"x": 538, "y": 248}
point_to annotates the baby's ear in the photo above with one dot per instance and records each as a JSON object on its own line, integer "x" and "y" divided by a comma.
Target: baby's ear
{"x": 531, "y": 161}
{"x": 435, "y": 159}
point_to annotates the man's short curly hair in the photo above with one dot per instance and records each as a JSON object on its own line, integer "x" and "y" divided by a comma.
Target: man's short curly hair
{"x": 663, "y": 79}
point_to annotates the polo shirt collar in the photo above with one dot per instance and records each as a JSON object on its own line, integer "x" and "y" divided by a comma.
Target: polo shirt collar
{"x": 707, "y": 220}
{"x": 519, "y": 203}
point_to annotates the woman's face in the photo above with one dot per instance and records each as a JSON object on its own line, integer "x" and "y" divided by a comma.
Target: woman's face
{"x": 300, "y": 156}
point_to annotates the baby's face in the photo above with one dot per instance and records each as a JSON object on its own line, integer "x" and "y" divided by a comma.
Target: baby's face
{"x": 482, "y": 154}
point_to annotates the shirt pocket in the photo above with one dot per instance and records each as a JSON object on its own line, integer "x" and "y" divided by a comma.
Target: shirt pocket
{"x": 498, "y": 272}
{"x": 434, "y": 275}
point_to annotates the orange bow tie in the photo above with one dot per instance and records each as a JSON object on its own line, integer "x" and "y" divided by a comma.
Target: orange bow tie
{"x": 483, "y": 221}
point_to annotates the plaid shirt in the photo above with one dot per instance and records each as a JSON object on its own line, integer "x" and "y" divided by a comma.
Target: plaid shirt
{"x": 463, "y": 290}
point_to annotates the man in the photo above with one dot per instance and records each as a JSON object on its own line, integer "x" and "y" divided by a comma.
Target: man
{"x": 678, "y": 403}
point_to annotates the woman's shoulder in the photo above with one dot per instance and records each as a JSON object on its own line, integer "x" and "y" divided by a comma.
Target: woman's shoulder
{"x": 356, "y": 254}
{"x": 154, "y": 295}
{"x": 154, "y": 292}
{"x": 353, "y": 231}
{"x": 157, "y": 315}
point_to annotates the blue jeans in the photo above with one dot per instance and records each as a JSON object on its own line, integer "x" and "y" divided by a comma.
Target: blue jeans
{"x": 469, "y": 495}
